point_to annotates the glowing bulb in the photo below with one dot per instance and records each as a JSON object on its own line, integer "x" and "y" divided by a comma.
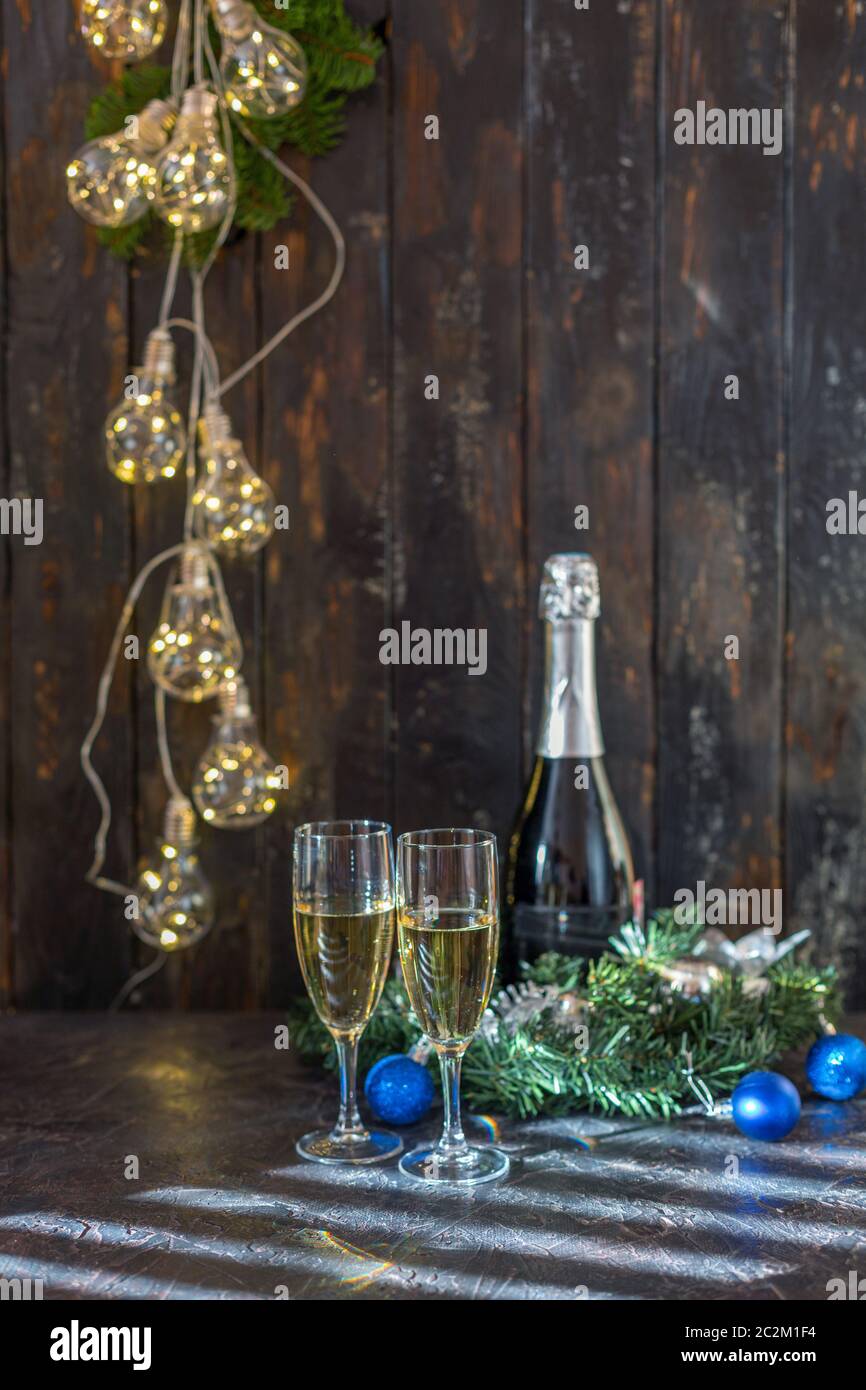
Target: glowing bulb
{"x": 195, "y": 646}
{"x": 128, "y": 29}
{"x": 233, "y": 507}
{"x": 264, "y": 69}
{"x": 145, "y": 437}
{"x": 175, "y": 900}
{"x": 193, "y": 181}
{"x": 235, "y": 779}
{"x": 109, "y": 181}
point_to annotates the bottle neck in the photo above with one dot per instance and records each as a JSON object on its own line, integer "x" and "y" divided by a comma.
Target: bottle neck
{"x": 570, "y": 726}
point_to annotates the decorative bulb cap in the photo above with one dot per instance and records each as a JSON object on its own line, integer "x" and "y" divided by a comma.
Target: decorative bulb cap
{"x": 199, "y": 104}
{"x": 180, "y": 822}
{"x": 234, "y": 18}
{"x": 155, "y": 124}
{"x": 214, "y": 426}
{"x": 569, "y": 588}
{"x": 159, "y": 356}
{"x": 234, "y": 698}
{"x": 194, "y": 569}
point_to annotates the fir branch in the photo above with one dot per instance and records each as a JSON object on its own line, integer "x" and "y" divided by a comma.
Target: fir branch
{"x": 638, "y": 1028}
{"x": 341, "y": 57}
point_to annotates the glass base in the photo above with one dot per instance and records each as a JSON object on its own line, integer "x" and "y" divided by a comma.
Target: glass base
{"x": 470, "y": 1167}
{"x": 370, "y": 1146}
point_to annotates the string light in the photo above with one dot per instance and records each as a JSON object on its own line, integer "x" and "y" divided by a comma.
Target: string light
{"x": 145, "y": 436}
{"x": 195, "y": 652}
{"x": 128, "y": 29}
{"x": 235, "y": 781}
{"x": 195, "y": 646}
{"x": 110, "y": 181}
{"x": 264, "y": 70}
{"x": 193, "y": 181}
{"x": 233, "y": 506}
{"x": 175, "y": 900}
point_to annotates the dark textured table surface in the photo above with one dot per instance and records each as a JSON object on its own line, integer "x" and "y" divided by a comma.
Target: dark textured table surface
{"x": 223, "y": 1208}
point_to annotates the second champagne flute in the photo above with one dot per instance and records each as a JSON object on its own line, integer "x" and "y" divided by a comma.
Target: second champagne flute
{"x": 448, "y": 932}
{"x": 343, "y": 887}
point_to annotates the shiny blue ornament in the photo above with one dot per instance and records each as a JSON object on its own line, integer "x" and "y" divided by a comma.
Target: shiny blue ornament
{"x": 399, "y": 1090}
{"x": 836, "y": 1066}
{"x": 765, "y": 1105}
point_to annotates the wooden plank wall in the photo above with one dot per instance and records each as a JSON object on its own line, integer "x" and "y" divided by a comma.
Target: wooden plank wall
{"x": 720, "y": 500}
{"x": 557, "y": 386}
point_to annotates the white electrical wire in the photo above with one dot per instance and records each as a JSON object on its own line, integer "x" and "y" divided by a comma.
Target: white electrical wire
{"x": 171, "y": 279}
{"x": 211, "y": 365}
{"x": 162, "y": 742}
{"x": 180, "y": 56}
{"x": 197, "y": 52}
{"x": 315, "y": 202}
{"x": 194, "y": 403}
{"x": 330, "y": 289}
{"x": 99, "y": 845}
{"x": 137, "y": 979}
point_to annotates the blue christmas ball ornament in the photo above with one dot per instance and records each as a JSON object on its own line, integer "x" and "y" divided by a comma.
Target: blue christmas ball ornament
{"x": 399, "y": 1090}
{"x": 836, "y": 1066}
{"x": 765, "y": 1105}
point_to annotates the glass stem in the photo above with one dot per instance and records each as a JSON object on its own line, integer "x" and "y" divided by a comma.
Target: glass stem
{"x": 349, "y": 1121}
{"x": 453, "y": 1141}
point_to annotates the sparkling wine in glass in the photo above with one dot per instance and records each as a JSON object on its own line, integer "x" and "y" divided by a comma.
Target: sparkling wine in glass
{"x": 448, "y": 935}
{"x": 343, "y": 889}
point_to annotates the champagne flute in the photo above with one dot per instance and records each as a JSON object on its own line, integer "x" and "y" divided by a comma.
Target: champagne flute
{"x": 448, "y": 935}
{"x": 343, "y": 903}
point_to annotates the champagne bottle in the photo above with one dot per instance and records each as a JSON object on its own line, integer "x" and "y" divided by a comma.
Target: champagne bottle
{"x": 569, "y": 876}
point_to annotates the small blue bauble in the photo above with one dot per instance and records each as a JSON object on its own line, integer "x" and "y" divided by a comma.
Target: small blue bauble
{"x": 836, "y": 1066}
{"x": 399, "y": 1090}
{"x": 765, "y": 1105}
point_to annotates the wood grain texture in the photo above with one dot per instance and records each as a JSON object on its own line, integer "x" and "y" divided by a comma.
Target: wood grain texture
{"x": 66, "y": 314}
{"x": 826, "y": 699}
{"x": 458, "y": 545}
{"x": 721, "y": 461}
{"x": 325, "y": 453}
{"x": 591, "y": 182}
{"x": 558, "y": 387}
{"x": 7, "y": 961}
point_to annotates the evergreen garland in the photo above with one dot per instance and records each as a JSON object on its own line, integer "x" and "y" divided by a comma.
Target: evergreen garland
{"x": 341, "y": 57}
{"x": 639, "y": 1032}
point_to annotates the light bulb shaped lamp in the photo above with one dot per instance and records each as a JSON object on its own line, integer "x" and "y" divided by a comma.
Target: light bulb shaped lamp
{"x": 264, "y": 70}
{"x": 145, "y": 437}
{"x": 175, "y": 900}
{"x": 110, "y": 181}
{"x": 195, "y": 646}
{"x": 233, "y": 507}
{"x": 127, "y": 29}
{"x": 235, "y": 780}
{"x": 193, "y": 180}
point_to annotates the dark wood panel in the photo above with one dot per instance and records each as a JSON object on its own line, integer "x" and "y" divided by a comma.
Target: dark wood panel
{"x": 591, "y": 95}
{"x": 6, "y": 891}
{"x": 721, "y": 461}
{"x": 826, "y": 710}
{"x": 458, "y": 544}
{"x": 66, "y": 305}
{"x": 325, "y": 452}
{"x": 557, "y": 387}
